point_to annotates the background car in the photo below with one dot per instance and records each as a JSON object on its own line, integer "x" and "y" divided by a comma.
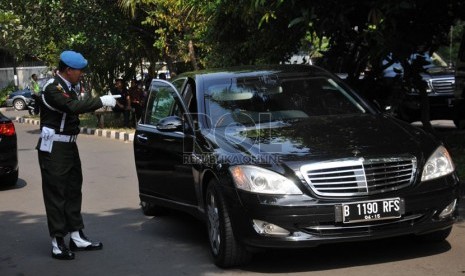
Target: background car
{"x": 22, "y": 98}
{"x": 19, "y": 99}
{"x": 440, "y": 81}
{"x": 8, "y": 152}
{"x": 288, "y": 157}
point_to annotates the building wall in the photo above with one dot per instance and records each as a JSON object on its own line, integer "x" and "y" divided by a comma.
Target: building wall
{"x": 23, "y": 75}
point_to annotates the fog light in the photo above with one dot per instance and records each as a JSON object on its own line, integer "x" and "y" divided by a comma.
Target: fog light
{"x": 266, "y": 228}
{"x": 448, "y": 210}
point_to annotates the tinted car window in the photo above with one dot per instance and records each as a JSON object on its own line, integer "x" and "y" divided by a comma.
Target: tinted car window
{"x": 257, "y": 99}
{"x": 159, "y": 105}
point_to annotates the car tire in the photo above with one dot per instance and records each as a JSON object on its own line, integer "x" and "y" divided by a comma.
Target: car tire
{"x": 19, "y": 104}
{"x": 150, "y": 209}
{"x": 437, "y": 236}
{"x": 226, "y": 251}
{"x": 12, "y": 179}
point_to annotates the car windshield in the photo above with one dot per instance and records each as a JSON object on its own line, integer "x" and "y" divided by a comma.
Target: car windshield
{"x": 256, "y": 99}
{"x": 431, "y": 63}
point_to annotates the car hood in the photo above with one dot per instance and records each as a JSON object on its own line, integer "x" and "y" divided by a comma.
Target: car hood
{"x": 24, "y": 92}
{"x": 438, "y": 72}
{"x": 325, "y": 138}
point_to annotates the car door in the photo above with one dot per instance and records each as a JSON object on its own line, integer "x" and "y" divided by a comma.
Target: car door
{"x": 160, "y": 149}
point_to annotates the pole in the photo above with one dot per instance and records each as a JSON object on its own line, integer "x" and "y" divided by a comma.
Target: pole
{"x": 15, "y": 73}
{"x": 450, "y": 45}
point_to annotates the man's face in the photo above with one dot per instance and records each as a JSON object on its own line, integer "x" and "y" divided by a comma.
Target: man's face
{"x": 118, "y": 84}
{"x": 73, "y": 75}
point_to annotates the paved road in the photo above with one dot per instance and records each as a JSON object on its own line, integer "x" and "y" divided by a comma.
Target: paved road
{"x": 175, "y": 244}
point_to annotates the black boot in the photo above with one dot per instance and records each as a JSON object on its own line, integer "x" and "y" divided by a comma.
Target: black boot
{"x": 60, "y": 251}
{"x": 79, "y": 242}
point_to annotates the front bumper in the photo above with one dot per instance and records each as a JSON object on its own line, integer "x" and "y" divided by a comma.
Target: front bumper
{"x": 311, "y": 222}
{"x": 441, "y": 106}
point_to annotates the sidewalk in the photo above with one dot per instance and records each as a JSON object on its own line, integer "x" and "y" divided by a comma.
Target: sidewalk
{"x": 123, "y": 136}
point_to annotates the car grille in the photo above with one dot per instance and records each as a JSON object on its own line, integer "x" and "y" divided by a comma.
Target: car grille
{"x": 358, "y": 177}
{"x": 443, "y": 86}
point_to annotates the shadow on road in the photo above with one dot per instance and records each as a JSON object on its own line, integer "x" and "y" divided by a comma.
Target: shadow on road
{"x": 19, "y": 185}
{"x": 175, "y": 244}
{"x": 329, "y": 257}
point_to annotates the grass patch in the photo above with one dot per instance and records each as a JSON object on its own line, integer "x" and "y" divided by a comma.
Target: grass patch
{"x": 89, "y": 120}
{"x": 111, "y": 121}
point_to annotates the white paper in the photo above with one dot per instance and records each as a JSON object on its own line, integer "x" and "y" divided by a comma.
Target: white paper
{"x": 46, "y": 145}
{"x": 47, "y": 139}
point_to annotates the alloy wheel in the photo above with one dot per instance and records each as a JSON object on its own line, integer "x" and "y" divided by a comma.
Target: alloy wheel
{"x": 214, "y": 224}
{"x": 19, "y": 104}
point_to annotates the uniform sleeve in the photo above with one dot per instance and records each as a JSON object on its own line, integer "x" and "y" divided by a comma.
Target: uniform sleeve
{"x": 56, "y": 98}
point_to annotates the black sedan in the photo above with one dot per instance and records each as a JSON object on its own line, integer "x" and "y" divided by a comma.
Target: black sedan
{"x": 8, "y": 152}
{"x": 287, "y": 157}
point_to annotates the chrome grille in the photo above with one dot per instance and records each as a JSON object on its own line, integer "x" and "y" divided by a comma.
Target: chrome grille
{"x": 357, "y": 177}
{"x": 443, "y": 86}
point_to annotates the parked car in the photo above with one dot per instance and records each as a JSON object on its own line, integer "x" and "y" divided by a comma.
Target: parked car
{"x": 8, "y": 152}
{"x": 440, "y": 81}
{"x": 22, "y": 99}
{"x": 288, "y": 157}
{"x": 19, "y": 99}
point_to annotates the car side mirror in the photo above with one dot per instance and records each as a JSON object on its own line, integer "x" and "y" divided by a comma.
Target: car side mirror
{"x": 171, "y": 124}
{"x": 387, "y": 109}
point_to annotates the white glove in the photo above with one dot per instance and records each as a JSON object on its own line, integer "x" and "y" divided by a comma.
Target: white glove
{"x": 47, "y": 133}
{"x": 108, "y": 100}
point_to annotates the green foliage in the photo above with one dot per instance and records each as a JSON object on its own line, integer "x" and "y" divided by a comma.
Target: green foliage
{"x": 115, "y": 36}
{"x": 450, "y": 52}
{"x": 98, "y": 29}
{"x": 239, "y": 35}
{"x": 5, "y": 91}
{"x": 110, "y": 119}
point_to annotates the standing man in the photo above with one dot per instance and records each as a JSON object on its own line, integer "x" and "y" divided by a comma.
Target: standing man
{"x": 123, "y": 104}
{"x": 136, "y": 95}
{"x": 59, "y": 161}
{"x": 35, "y": 88}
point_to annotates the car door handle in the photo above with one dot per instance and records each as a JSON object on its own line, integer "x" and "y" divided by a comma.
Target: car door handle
{"x": 142, "y": 138}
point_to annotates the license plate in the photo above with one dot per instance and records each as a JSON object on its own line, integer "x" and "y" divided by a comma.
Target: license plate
{"x": 372, "y": 210}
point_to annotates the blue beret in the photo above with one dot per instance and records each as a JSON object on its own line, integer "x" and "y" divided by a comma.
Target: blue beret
{"x": 73, "y": 59}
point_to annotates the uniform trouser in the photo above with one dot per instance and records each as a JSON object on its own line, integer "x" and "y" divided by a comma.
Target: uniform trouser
{"x": 61, "y": 187}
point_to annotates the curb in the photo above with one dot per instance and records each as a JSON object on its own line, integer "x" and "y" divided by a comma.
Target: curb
{"x": 104, "y": 133}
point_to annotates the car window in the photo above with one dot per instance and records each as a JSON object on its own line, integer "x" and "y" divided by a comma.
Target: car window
{"x": 253, "y": 100}
{"x": 159, "y": 105}
{"x": 179, "y": 83}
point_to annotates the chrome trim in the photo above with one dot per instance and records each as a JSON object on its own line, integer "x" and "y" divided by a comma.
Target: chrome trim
{"x": 443, "y": 85}
{"x": 346, "y": 227}
{"x": 359, "y": 176}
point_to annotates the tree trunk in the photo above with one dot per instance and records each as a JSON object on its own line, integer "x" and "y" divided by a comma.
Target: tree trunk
{"x": 192, "y": 55}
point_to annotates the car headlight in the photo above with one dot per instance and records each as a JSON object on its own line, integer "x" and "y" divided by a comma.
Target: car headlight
{"x": 259, "y": 180}
{"x": 438, "y": 164}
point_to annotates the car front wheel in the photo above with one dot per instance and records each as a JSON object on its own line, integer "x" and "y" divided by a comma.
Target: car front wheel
{"x": 11, "y": 179}
{"x": 19, "y": 104}
{"x": 226, "y": 251}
